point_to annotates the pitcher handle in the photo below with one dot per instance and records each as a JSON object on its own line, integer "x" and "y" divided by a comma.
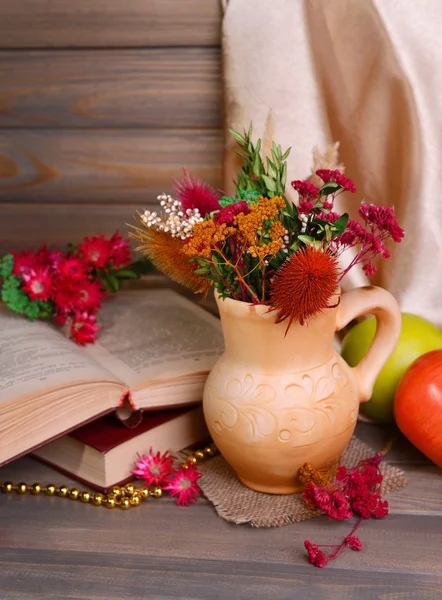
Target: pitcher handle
{"x": 375, "y": 301}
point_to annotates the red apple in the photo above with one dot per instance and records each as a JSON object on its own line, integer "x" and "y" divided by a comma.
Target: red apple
{"x": 418, "y": 405}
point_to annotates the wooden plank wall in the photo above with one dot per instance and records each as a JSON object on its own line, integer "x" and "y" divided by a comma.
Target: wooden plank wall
{"x": 101, "y": 104}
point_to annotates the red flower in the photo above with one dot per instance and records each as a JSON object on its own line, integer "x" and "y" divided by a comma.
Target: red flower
{"x": 96, "y": 250}
{"x": 194, "y": 193}
{"x": 183, "y": 485}
{"x": 83, "y": 329}
{"x": 334, "y": 175}
{"x": 38, "y": 283}
{"x": 90, "y": 294}
{"x": 381, "y": 509}
{"x": 304, "y": 285}
{"x": 73, "y": 267}
{"x": 306, "y": 190}
{"x": 120, "y": 252}
{"x": 353, "y": 542}
{"x": 24, "y": 263}
{"x": 305, "y": 206}
{"x": 354, "y": 491}
{"x": 228, "y": 214}
{"x": 71, "y": 294}
{"x": 154, "y": 469}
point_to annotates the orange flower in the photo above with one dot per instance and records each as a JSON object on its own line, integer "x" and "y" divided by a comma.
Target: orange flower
{"x": 165, "y": 252}
{"x": 205, "y": 236}
{"x": 303, "y": 285}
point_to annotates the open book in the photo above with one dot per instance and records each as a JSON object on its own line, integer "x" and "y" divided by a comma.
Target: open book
{"x": 154, "y": 351}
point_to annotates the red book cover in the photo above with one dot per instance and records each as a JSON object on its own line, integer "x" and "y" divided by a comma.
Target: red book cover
{"x": 107, "y": 432}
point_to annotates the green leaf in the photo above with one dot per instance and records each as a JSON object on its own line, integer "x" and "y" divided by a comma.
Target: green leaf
{"x": 284, "y": 175}
{"x": 114, "y": 284}
{"x": 126, "y": 274}
{"x": 226, "y": 201}
{"x": 329, "y": 188}
{"x": 340, "y": 225}
{"x": 238, "y": 137}
{"x": 257, "y": 165}
{"x": 306, "y": 239}
{"x": 286, "y": 154}
{"x": 270, "y": 184}
{"x": 6, "y": 265}
{"x": 271, "y": 170}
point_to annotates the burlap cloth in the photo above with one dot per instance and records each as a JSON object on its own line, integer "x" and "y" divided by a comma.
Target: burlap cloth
{"x": 238, "y": 504}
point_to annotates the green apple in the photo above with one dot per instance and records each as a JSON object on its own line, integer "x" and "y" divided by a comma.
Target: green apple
{"x": 418, "y": 336}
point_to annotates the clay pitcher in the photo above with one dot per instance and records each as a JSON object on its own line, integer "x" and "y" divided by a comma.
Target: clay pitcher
{"x": 273, "y": 401}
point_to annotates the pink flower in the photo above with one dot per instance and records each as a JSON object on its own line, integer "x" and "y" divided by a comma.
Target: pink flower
{"x": 121, "y": 254}
{"x": 337, "y": 177}
{"x": 96, "y": 250}
{"x": 38, "y": 283}
{"x": 82, "y": 328}
{"x": 194, "y": 193}
{"x": 183, "y": 485}
{"x": 154, "y": 469}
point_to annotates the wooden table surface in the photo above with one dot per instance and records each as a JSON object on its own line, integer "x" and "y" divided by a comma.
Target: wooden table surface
{"x": 56, "y": 548}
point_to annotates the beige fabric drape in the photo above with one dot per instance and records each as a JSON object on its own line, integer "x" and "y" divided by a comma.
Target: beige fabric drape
{"x": 366, "y": 73}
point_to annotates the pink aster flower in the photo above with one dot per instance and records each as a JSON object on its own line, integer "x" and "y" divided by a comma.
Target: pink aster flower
{"x": 194, "y": 193}
{"x": 38, "y": 283}
{"x": 183, "y": 485}
{"x": 96, "y": 250}
{"x": 153, "y": 468}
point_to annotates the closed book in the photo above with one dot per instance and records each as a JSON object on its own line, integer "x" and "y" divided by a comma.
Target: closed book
{"x": 102, "y": 453}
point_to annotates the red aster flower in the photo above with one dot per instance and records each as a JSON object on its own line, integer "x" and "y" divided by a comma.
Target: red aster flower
{"x": 73, "y": 267}
{"x": 120, "y": 252}
{"x": 38, "y": 284}
{"x": 154, "y": 468}
{"x": 84, "y": 294}
{"x": 96, "y": 250}
{"x": 194, "y": 193}
{"x": 24, "y": 263}
{"x": 183, "y": 485}
{"x": 83, "y": 329}
{"x": 90, "y": 294}
{"x": 66, "y": 295}
{"x": 304, "y": 285}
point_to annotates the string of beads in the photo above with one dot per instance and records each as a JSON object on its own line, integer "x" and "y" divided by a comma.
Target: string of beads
{"x": 124, "y": 497}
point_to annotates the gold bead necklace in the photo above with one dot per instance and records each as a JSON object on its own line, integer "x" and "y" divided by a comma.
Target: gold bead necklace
{"x": 124, "y": 497}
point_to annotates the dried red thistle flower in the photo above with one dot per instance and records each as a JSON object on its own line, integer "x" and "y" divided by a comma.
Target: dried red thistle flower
{"x": 194, "y": 193}
{"x": 304, "y": 285}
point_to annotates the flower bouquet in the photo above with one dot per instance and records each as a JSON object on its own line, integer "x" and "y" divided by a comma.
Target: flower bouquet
{"x": 257, "y": 247}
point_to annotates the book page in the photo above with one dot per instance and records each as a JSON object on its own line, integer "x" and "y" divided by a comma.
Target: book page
{"x": 156, "y": 334}
{"x": 36, "y": 356}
